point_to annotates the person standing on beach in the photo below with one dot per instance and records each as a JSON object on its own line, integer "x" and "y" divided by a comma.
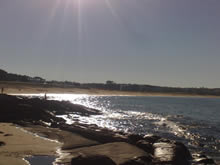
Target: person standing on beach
{"x": 2, "y": 91}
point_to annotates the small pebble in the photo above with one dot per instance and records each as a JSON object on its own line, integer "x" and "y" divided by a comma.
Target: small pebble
{"x": 2, "y": 143}
{"x": 8, "y": 134}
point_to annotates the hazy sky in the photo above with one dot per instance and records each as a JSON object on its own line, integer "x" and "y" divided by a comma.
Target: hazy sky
{"x": 158, "y": 42}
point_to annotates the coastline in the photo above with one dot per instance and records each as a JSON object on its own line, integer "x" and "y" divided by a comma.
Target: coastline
{"x": 27, "y": 88}
{"x": 81, "y": 142}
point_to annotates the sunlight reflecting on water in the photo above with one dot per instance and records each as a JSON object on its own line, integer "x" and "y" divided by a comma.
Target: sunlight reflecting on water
{"x": 186, "y": 119}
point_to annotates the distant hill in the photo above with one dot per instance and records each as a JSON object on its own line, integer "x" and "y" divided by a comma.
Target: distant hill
{"x": 110, "y": 85}
{"x": 5, "y": 76}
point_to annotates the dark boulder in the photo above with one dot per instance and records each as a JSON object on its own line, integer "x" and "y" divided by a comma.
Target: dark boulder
{"x": 133, "y": 138}
{"x": 181, "y": 149}
{"x": 39, "y": 111}
{"x": 146, "y": 146}
{"x": 151, "y": 138}
{"x": 142, "y": 160}
{"x": 92, "y": 160}
{"x": 164, "y": 140}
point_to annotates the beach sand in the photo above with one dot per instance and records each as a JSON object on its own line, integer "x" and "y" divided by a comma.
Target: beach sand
{"x": 20, "y": 143}
{"x": 28, "y": 88}
{"x": 24, "y": 141}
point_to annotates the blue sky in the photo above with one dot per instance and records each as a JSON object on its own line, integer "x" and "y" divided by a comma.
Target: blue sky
{"x": 158, "y": 42}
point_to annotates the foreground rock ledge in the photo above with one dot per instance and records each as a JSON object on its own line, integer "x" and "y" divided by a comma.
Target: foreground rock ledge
{"x": 88, "y": 144}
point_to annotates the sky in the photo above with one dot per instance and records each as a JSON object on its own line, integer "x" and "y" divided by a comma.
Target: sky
{"x": 158, "y": 42}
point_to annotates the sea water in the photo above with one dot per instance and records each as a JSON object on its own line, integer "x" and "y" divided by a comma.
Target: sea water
{"x": 40, "y": 160}
{"x": 195, "y": 121}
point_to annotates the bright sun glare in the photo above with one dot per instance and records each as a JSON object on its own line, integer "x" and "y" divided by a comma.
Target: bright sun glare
{"x": 76, "y": 8}
{"x": 78, "y": 5}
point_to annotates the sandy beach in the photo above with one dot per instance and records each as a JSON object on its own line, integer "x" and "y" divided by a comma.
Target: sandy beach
{"x": 28, "y": 88}
{"x": 18, "y": 143}
{"x": 21, "y": 142}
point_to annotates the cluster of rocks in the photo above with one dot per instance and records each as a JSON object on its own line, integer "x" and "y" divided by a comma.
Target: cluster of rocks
{"x": 38, "y": 111}
{"x": 131, "y": 149}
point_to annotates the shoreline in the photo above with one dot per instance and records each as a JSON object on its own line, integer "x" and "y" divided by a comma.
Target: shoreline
{"x": 80, "y": 142}
{"x": 23, "y": 88}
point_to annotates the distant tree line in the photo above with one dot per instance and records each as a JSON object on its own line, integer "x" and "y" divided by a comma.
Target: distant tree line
{"x": 5, "y": 76}
{"x": 153, "y": 89}
{"x": 109, "y": 85}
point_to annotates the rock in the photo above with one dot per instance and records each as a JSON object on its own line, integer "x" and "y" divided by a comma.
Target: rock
{"x": 133, "y": 138}
{"x": 172, "y": 153}
{"x": 146, "y": 146}
{"x": 164, "y": 140}
{"x": 143, "y": 160}
{"x": 92, "y": 159}
{"x": 38, "y": 111}
{"x": 151, "y": 138}
{"x": 182, "y": 149}
{"x": 8, "y": 134}
{"x": 2, "y": 143}
{"x": 101, "y": 136}
{"x": 119, "y": 152}
{"x": 1, "y": 132}
{"x": 132, "y": 162}
{"x": 198, "y": 155}
{"x": 204, "y": 161}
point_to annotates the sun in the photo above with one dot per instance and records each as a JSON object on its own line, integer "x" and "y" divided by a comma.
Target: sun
{"x": 76, "y": 9}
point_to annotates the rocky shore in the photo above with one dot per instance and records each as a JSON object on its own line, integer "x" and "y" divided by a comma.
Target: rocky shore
{"x": 89, "y": 144}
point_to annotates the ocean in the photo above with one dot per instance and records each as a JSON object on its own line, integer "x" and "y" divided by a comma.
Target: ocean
{"x": 195, "y": 121}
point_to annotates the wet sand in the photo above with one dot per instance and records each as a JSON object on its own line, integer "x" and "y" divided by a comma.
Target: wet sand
{"x": 19, "y": 143}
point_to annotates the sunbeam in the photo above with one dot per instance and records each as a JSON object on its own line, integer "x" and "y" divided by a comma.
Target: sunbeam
{"x": 53, "y": 11}
{"x": 50, "y": 19}
{"x": 79, "y": 27}
{"x": 65, "y": 10}
{"x": 79, "y": 9}
{"x": 113, "y": 12}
